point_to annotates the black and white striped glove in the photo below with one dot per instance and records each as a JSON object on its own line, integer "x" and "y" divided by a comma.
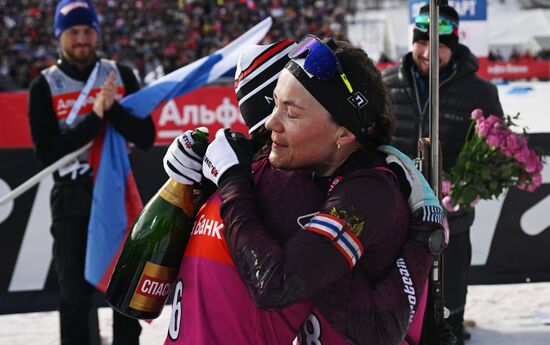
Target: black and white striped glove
{"x": 183, "y": 159}
{"x": 228, "y": 156}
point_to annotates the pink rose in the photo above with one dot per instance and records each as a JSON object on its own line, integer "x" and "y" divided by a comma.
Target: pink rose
{"x": 537, "y": 179}
{"x": 477, "y": 114}
{"x": 494, "y": 140}
{"x": 522, "y": 142}
{"x": 522, "y": 155}
{"x": 535, "y": 183}
{"x": 512, "y": 142}
{"x": 483, "y": 128}
{"x": 493, "y": 120}
{"x": 539, "y": 166}
{"x": 532, "y": 161}
{"x": 447, "y": 203}
{"x": 445, "y": 187}
{"x": 446, "y": 230}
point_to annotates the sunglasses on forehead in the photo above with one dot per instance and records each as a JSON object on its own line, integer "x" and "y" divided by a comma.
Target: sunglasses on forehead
{"x": 320, "y": 60}
{"x": 446, "y": 26}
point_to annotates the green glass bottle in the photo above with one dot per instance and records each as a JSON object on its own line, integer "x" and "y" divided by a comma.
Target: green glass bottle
{"x": 150, "y": 258}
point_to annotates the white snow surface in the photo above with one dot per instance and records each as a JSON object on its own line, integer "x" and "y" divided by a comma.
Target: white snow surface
{"x": 530, "y": 100}
{"x": 513, "y": 314}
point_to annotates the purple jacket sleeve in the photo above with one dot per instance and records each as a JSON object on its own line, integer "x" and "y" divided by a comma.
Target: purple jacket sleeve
{"x": 278, "y": 275}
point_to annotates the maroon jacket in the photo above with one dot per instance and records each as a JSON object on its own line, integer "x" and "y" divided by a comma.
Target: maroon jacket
{"x": 281, "y": 264}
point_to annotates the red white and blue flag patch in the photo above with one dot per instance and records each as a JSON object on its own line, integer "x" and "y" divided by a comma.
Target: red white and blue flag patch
{"x": 339, "y": 234}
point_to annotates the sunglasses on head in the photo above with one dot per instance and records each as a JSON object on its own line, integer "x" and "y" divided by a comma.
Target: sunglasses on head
{"x": 319, "y": 60}
{"x": 446, "y": 26}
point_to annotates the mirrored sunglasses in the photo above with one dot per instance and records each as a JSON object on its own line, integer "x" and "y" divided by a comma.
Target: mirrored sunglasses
{"x": 446, "y": 26}
{"x": 320, "y": 60}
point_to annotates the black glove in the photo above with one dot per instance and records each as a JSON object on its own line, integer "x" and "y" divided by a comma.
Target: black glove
{"x": 228, "y": 156}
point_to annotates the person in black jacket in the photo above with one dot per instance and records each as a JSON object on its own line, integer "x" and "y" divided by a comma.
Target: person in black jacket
{"x": 460, "y": 92}
{"x": 69, "y": 105}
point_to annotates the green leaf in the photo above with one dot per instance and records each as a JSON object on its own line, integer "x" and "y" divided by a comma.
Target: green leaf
{"x": 469, "y": 195}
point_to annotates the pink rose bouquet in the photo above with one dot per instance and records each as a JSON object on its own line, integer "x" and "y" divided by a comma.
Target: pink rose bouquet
{"x": 493, "y": 158}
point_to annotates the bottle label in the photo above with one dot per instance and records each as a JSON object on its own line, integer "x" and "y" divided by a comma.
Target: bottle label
{"x": 177, "y": 194}
{"x": 153, "y": 287}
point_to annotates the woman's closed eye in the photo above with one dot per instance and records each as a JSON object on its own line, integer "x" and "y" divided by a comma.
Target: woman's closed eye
{"x": 289, "y": 114}
{"x": 283, "y": 107}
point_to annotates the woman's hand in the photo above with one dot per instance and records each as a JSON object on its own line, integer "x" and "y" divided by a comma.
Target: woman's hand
{"x": 427, "y": 214}
{"x": 228, "y": 156}
{"x": 183, "y": 159}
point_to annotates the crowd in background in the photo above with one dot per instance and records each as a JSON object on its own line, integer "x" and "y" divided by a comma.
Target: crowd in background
{"x": 155, "y": 37}
{"x": 519, "y": 56}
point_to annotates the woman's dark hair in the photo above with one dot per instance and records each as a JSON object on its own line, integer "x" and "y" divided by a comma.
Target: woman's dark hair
{"x": 376, "y": 118}
{"x": 261, "y": 142}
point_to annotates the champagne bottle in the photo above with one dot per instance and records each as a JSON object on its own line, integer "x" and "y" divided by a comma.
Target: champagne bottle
{"x": 150, "y": 258}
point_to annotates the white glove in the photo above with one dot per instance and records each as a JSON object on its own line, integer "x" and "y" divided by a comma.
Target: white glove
{"x": 422, "y": 196}
{"x": 228, "y": 150}
{"x": 183, "y": 159}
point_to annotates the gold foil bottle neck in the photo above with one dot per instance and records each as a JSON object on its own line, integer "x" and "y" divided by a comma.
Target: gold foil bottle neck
{"x": 178, "y": 194}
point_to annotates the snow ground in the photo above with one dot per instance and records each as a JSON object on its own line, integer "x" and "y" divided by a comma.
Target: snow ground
{"x": 529, "y": 99}
{"x": 505, "y": 315}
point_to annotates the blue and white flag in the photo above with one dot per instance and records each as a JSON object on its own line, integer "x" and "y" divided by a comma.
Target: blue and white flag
{"x": 194, "y": 75}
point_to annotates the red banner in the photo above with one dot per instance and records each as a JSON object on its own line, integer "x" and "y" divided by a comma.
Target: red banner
{"x": 506, "y": 70}
{"x": 14, "y": 128}
{"x": 212, "y": 106}
{"x": 216, "y": 106}
{"x": 522, "y": 69}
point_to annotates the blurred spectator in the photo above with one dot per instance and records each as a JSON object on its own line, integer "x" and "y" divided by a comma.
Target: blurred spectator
{"x": 517, "y": 55}
{"x": 154, "y": 36}
{"x": 544, "y": 54}
{"x": 495, "y": 55}
{"x": 514, "y": 55}
{"x": 384, "y": 58}
{"x": 527, "y": 56}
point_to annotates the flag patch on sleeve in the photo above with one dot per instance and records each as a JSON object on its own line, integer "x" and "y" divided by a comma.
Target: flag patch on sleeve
{"x": 339, "y": 234}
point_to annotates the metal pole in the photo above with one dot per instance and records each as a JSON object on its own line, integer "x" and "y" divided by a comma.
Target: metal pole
{"x": 436, "y": 289}
{"x": 434, "y": 95}
{"x": 43, "y": 173}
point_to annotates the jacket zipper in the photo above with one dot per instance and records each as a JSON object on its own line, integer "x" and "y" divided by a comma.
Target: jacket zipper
{"x": 422, "y": 110}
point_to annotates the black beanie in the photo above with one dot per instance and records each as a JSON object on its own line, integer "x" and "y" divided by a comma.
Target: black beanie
{"x": 357, "y": 111}
{"x": 255, "y": 79}
{"x": 450, "y": 40}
